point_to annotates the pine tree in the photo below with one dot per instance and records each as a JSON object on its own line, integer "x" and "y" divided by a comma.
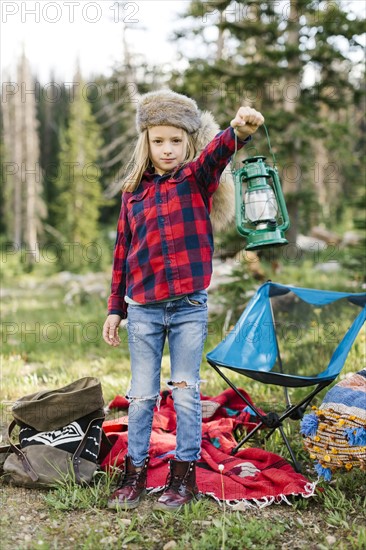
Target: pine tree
{"x": 78, "y": 184}
{"x": 54, "y": 105}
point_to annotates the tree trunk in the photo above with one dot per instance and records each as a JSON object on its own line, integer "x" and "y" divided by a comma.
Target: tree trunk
{"x": 23, "y": 186}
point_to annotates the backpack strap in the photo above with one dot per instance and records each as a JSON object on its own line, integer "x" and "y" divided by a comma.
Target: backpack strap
{"x": 16, "y": 449}
{"x": 76, "y": 460}
{"x": 105, "y": 447}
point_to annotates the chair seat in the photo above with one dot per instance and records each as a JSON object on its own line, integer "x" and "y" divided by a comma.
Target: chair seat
{"x": 278, "y": 378}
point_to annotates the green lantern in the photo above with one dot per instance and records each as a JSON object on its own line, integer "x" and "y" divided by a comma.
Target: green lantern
{"x": 261, "y": 213}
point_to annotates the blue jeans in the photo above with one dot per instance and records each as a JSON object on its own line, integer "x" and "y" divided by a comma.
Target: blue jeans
{"x": 184, "y": 323}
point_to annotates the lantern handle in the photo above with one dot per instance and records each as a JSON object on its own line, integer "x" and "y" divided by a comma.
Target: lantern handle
{"x": 252, "y": 147}
{"x": 270, "y": 147}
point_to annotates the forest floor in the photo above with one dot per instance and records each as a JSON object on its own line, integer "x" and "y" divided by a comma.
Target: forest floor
{"x": 40, "y": 350}
{"x": 32, "y": 519}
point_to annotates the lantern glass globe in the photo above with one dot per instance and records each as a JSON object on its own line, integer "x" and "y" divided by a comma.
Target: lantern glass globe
{"x": 260, "y": 205}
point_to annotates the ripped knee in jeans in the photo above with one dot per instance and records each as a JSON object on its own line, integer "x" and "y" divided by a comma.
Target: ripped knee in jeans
{"x": 136, "y": 399}
{"x": 183, "y": 385}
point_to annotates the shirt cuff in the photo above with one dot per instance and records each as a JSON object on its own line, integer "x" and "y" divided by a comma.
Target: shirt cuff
{"x": 246, "y": 140}
{"x": 116, "y": 306}
{"x": 122, "y": 314}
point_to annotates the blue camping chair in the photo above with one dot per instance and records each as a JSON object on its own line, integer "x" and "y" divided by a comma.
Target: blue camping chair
{"x": 252, "y": 348}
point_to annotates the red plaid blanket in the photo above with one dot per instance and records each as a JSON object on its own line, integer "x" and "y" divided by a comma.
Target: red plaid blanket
{"x": 251, "y": 477}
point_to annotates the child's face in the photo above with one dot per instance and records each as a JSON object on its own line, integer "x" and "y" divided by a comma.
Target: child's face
{"x": 167, "y": 147}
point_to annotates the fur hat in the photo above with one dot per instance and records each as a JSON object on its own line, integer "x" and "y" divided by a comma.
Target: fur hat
{"x": 165, "y": 107}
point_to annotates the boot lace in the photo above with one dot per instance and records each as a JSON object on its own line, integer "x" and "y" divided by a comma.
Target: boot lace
{"x": 128, "y": 479}
{"x": 175, "y": 481}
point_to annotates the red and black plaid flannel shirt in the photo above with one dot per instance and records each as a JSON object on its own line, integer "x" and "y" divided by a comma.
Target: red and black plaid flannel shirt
{"x": 164, "y": 241}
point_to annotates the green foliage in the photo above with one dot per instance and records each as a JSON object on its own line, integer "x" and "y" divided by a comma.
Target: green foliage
{"x": 344, "y": 488}
{"x": 295, "y": 67}
{"x": 68, "y": 495}
{"x": 355, "y": 259}
{"x": 53, "y": 113}
{"x": 230, "y": 532}
{"x": 50, "y": 334}
{"x": 79, "y": 192}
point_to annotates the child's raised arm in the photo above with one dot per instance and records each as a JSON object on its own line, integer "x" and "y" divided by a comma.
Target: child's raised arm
{"x": 246, "y": 122}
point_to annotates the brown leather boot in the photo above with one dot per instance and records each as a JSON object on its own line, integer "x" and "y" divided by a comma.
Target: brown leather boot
{"x": 181, "y": 488}
{"x": 131, "y": 487}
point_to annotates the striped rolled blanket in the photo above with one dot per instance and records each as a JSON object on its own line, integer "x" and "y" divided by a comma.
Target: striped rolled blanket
{"x": 335, "y": 433}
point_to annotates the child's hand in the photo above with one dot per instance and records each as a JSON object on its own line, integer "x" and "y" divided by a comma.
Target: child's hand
{"x": 110, "y": 330}
{"x": 246, "y": 122}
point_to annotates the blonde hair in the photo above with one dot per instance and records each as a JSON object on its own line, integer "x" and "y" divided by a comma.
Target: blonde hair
{"x": 140, "y": 159}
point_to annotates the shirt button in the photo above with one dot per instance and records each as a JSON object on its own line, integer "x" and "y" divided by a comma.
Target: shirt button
{"x": 168, "y": 261}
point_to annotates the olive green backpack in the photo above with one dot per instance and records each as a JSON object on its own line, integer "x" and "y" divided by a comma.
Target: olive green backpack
{"x": 60, "y": 434}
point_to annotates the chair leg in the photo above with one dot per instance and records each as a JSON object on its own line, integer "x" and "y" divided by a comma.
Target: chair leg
{"x": 297, "y": 465}
{"x": 246, "y": 438}
{"x": 272, "y": 420}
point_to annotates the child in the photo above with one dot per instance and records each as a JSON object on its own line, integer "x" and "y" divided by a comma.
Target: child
{"x": 162, "y": 267}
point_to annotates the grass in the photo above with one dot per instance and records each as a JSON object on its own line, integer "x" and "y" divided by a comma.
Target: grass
{"x": 72, "y": 516}
{"x": 48, "y": 343}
